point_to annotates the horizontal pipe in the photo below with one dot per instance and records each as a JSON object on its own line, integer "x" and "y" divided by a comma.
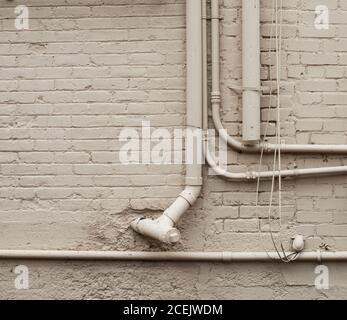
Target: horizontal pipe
{"x": 166, "y": 256}
{"x": 254, "y": 175}
{"x": 271, "y": 147}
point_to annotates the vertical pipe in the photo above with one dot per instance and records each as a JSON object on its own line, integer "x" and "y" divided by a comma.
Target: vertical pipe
{"x": 251, "y": 70}
{"x": 204, "y": 67}
{"x": 194, "y": 88}
{"x": 215, "y": 94}
{"x": 163, "y": 228}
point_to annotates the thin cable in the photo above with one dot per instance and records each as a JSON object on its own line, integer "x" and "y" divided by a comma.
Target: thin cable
{"x": 267, "y": 124}
{"x": 293, "y": 256}
{"x": 274, "y": 11}
{"x": 277, "y": 150}
{"x": 279, "y": 22}
{"x": 279, "y": 133}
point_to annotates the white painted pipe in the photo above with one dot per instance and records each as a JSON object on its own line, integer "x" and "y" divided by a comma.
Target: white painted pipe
{"x": 250, "y": 57}
{"x": 251, "y": 70}
{"x": 226, "y": 256}
{"x": 270, "y": 147}
{"x": 254, "y": 175}
{"x": 163, "y": 228}
{"x": 204, "y": 68}
{"x": 238, "y": 145}
{"x": 215, "y": 94}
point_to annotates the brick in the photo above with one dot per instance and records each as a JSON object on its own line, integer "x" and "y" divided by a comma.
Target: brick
{"x": 308, "y": 217}
{"x": 226, "y": 212}
{"x": 331, "y": 230}
{"x": 319, "y": 59}
{"x": 241, "y": 225}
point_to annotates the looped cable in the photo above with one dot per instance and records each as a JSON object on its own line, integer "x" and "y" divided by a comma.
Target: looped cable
{"x": 277, "y": 154}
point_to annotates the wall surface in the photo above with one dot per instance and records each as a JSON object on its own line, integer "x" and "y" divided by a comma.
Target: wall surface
{"x": 85, "y": 70}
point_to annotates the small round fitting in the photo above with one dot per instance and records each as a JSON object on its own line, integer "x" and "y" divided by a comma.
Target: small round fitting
{"x": 173, "y": 236}
{"x": 298, "y": 243}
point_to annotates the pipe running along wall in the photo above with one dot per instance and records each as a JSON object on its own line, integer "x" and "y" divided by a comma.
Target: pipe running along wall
{"x": 216, "y": 106}
{"x": 168, "y": 256}
{"x": 163, "y": 228}
{"x": 251, "y": 69}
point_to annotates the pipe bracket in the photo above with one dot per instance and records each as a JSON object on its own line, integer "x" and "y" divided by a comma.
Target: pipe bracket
{"x": 188, "y": 196}
{"x": 240, "y": 89}
{"x": 219, "y": 18}
{"x": 319, "y": 256}
{"x": 215, "y": 97}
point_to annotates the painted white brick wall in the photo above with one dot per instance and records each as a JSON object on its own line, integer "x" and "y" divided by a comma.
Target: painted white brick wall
{"x": 85, "y": 70}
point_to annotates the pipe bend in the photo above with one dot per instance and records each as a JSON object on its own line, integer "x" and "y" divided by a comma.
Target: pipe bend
{"x": 270, "y": 147}
{"x": 234, "y": 143}
{"x": 229, "y": 140}
{"x": 191, "y": 194}
{"x": 186, "y": 199}
{"x": 253, "y": 175}
{"x": 163, "y": 228}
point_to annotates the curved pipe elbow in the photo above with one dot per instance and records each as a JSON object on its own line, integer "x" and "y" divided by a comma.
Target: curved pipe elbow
{"x": 186, "y": 199}
{"x": 270, "y": 147}
{"x": 163, "y": 228}
{"x": 234, "y": 143}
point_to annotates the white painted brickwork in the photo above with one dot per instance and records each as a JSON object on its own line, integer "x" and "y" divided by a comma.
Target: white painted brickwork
{"x": 88, "y": 68}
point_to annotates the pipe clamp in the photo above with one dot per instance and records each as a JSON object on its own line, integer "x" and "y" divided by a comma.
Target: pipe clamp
{"x": 188, "y": 196}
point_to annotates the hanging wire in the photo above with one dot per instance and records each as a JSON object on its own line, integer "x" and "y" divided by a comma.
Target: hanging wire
{"x": 267, "y": 122}
{"x": 277, "y": 153}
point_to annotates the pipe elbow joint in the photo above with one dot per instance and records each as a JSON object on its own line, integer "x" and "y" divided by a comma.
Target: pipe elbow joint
{"x": 161, "y": 229}
{"x": 191, "y": 193}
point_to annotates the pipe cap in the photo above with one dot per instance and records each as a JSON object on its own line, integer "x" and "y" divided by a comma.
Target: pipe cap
{"x": 173, "y": 236}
